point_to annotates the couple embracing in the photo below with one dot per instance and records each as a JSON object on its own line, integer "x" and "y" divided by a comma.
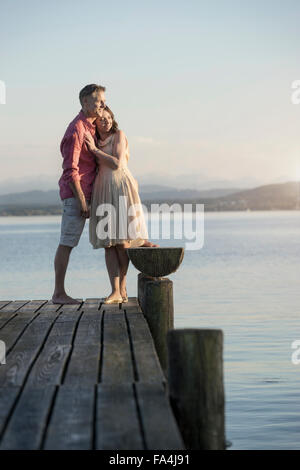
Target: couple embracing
{"x": 97, "y": 184}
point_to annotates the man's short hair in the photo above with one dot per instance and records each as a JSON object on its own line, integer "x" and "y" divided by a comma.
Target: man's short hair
{"x": 89, "y": 89}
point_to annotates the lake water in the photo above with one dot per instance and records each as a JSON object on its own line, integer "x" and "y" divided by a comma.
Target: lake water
{"x": 245, "y": 280}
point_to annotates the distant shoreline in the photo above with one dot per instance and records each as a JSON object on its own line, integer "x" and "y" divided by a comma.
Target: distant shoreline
{"x": 273, "y": 197}
{"x": 57, "y": 211}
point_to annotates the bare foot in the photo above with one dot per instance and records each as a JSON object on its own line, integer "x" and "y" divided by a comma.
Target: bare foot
{"x": 114, "y": 296}
{"x": 123, "y": 292}
{"x": 64, "y": 299}
{"x": 149, "y": 244}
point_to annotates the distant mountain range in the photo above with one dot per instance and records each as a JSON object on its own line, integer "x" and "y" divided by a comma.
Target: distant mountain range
{"x": 284, "y": 196}
{"x": 269, "y": 197}
{"x": 156, "y": 192}
{"x": 153, "y": 192}
{"x": 33, "y": 198}
{"x": 194, "y": 181}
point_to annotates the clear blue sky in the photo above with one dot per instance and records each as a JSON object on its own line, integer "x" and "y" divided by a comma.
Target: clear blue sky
{"x": 199, "y": 87}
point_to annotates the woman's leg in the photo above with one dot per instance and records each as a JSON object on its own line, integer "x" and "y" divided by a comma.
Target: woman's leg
{"x": 123, "y": 263}
{"x": 112, "y": 264}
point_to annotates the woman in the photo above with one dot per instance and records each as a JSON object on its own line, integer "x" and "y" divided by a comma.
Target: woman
{"x": 115, "y": 192}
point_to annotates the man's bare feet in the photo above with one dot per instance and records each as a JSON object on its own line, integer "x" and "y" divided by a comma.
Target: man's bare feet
{"x": 64, "y": 299}
{"x": 149, "y": 244}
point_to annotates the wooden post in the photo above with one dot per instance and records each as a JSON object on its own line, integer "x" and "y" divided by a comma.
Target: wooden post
{"x": 156, "y": 300}
{"x": 195, "y": 382}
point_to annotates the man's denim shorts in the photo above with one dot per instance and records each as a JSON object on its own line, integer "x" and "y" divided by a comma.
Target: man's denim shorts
{"x": 72, "y": 223}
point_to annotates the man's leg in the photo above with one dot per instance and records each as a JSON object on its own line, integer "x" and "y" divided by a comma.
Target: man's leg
{"x": 72, "y": 225}
{"x": 60, "y": 265}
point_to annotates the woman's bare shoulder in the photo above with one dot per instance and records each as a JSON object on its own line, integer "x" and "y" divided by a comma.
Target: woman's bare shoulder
{"x": 120, "y": 135}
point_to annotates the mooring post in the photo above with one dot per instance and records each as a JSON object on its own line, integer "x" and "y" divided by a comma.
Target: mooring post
{"x": 195, "y": 386}
{"x": 155, "y": 292}
{"x": 156, "y": 300}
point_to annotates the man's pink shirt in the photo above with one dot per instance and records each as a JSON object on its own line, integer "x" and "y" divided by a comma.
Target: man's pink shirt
{"x": 79, "y": 163}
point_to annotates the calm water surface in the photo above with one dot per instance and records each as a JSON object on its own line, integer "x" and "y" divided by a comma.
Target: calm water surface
{"x": 245, "y": 280}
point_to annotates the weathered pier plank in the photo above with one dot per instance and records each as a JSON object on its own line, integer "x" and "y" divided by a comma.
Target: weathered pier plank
{"x": 3, "y": 303}
{"x": 117, "y": 364}
{"x": 13, "y": 306}
{"x": 8, "y": 396}
{"x": 89, "y": 327}
{"x": 28, "y": 422}
{"x": 84, "y": 364}
{"x": 71, "y": 425}
{"x": 24, "y": 313}
{"x": 156, "y": 414}
{"x": 146, "y": 360}
{"x": 49, "y": 366}
{"x": 117, "y": 422}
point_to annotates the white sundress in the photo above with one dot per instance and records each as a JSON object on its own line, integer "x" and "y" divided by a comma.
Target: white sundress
{"x": 117, "y": 191}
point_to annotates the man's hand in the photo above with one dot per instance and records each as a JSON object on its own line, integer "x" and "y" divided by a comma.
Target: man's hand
{"x": 88, "y": 139}
{"x": 78, "y": 193}
{"x": 84, "y": 209}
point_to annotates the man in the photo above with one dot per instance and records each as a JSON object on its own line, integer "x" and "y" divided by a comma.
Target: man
{"x": 76, "y": 183}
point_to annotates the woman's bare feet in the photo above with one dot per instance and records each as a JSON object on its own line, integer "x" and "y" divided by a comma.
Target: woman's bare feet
{"x": 114, "y": 296}
{"x": 149, "y": 244}
{"x": 64, "y": 299}
{"x": 123, "y": 292}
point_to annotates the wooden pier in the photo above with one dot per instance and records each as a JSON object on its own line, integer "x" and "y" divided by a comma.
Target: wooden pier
{"x": 82, "y": 377}
{"x": 111, "y": 377}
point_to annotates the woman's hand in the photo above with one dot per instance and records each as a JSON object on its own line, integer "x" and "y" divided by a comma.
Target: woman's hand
{"x": 88, "y": 139}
